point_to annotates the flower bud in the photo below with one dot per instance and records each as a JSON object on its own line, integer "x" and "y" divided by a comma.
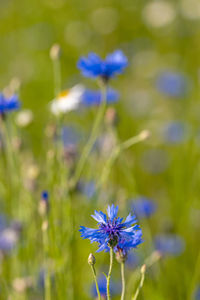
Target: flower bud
{"x": 121, "y": 256}
{"x": 91, "y": 259}
{"x": 111, "y": 117}
{"x": 44, "y": 203}
{"x": 55, "y": 52}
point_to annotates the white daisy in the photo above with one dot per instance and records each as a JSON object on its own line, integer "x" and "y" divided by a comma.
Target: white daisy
{"x": 67, "y": 100}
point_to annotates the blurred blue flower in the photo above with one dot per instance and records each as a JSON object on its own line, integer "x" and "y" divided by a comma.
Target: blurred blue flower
{"x": 93, "y": 66}
{"x": 8, "y": 239}
{"x": 8, "y": 104}
{"x": 3, "y": 222}
{"x": 9, "y": 234}
{"x": 175, "y": 132}
{"x": 132, "y": 260}
{"x": 112, "y": 232}
{"x": 88, "y": 189}
{"x": 44, "y": 203}
{"x": 45, "y": 195}
{"x": 197, "y": 293}
{"x": 143, "y": 207}
{"x": 173, "y": 84}
{"x": 91, "y": 98}
{"x": 169, "y": 244}
{"x": 114, "y": 288}
{"x": 69, "y": 136}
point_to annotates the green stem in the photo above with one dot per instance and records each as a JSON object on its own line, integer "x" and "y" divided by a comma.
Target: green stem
{"x": 116, "y": 152}
{"x": 123, "y": 280}
{"x": 47, "y": 283}
{"x": 92, "y": 138}
{"x": 195, "y": 276}
{"x": 109, "y": 273}
{"x": 95, "y": 280}
{"x": 143, "y": 270}
{"x": 57, "y": 76}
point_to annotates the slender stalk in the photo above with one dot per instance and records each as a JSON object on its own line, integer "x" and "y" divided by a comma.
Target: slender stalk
{"x": 109, "y": 273}
{"x": 149, "y": 262}
{"x": 143, "y": 270}
{"x": 57, "y": 76}
{"x": 47, "y": 283}
{"x": 123, "y": 280}
{"x": 92, "y": 138}
{"x": 95, "y": 280}
{"x": 116, "y": 152}
{"x": 195, "y": 276}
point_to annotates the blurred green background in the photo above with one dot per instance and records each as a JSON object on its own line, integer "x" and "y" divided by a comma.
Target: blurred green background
{"x": 156, "y": 36}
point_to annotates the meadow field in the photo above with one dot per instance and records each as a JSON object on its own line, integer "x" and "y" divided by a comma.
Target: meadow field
{"x": 100, "y": 149}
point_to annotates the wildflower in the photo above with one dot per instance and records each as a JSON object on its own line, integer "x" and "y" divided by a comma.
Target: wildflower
{"x": 169, "y": 244}
{"x": 124, "y": 246}
{"x": 87, "y": 188}
{"x": 91, "y": 98}
{"x": 9, "y": 237}
{"x": 143, "y": 207}
{"x": 113, "y": 232}
{"x": 67, "y": 100}
{"x": 44, "y": 203}
{"x": 70, "y": 136}
{"x": 8, "y": 104}
{"x": 175, "y": 132}
{"x": 93, "y": 66}
{"x": 173, "y": 84}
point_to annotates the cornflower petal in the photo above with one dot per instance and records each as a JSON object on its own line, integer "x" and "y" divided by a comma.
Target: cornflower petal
{"x": 93, "y": 66}
{"x": 99, "y": 217}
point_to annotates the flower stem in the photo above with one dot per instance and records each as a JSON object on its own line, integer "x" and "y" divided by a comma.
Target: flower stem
{"x": 116, "y": 152}
{"x": 57, "y": 76}
{"x": 92, "y": 138}
{"x": 95, "y": 280}
{"x": 109, "y": 273}
{"x": 123, "y": 281}
{"x": 47, "y": 283}
{"x": 143, "y": 270}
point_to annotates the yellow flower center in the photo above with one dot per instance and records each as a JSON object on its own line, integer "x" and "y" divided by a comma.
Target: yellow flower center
{"x": 62, "y": 94}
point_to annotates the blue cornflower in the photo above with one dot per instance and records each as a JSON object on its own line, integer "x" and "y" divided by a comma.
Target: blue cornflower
{"x": 70, "y": 136}
{"x": 45, "y": 195}
{"x": 143, "y": 207}
{"x": 93, "y": 66}
{"x": 8, "y": 104}
{"x": 9, "y": 236}
{"x": 113, "y": 232}
{"x": 175, "y": 132}
{"x": 173, "y": 84}
{"x": 169, "y": 244}
{"x": 44, "y": 203}
{"x": 91, "y": 97}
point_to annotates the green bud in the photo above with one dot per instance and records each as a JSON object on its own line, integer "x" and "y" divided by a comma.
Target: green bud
{"x": 121, "y": 256}
{"x": 91, "y": 259}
